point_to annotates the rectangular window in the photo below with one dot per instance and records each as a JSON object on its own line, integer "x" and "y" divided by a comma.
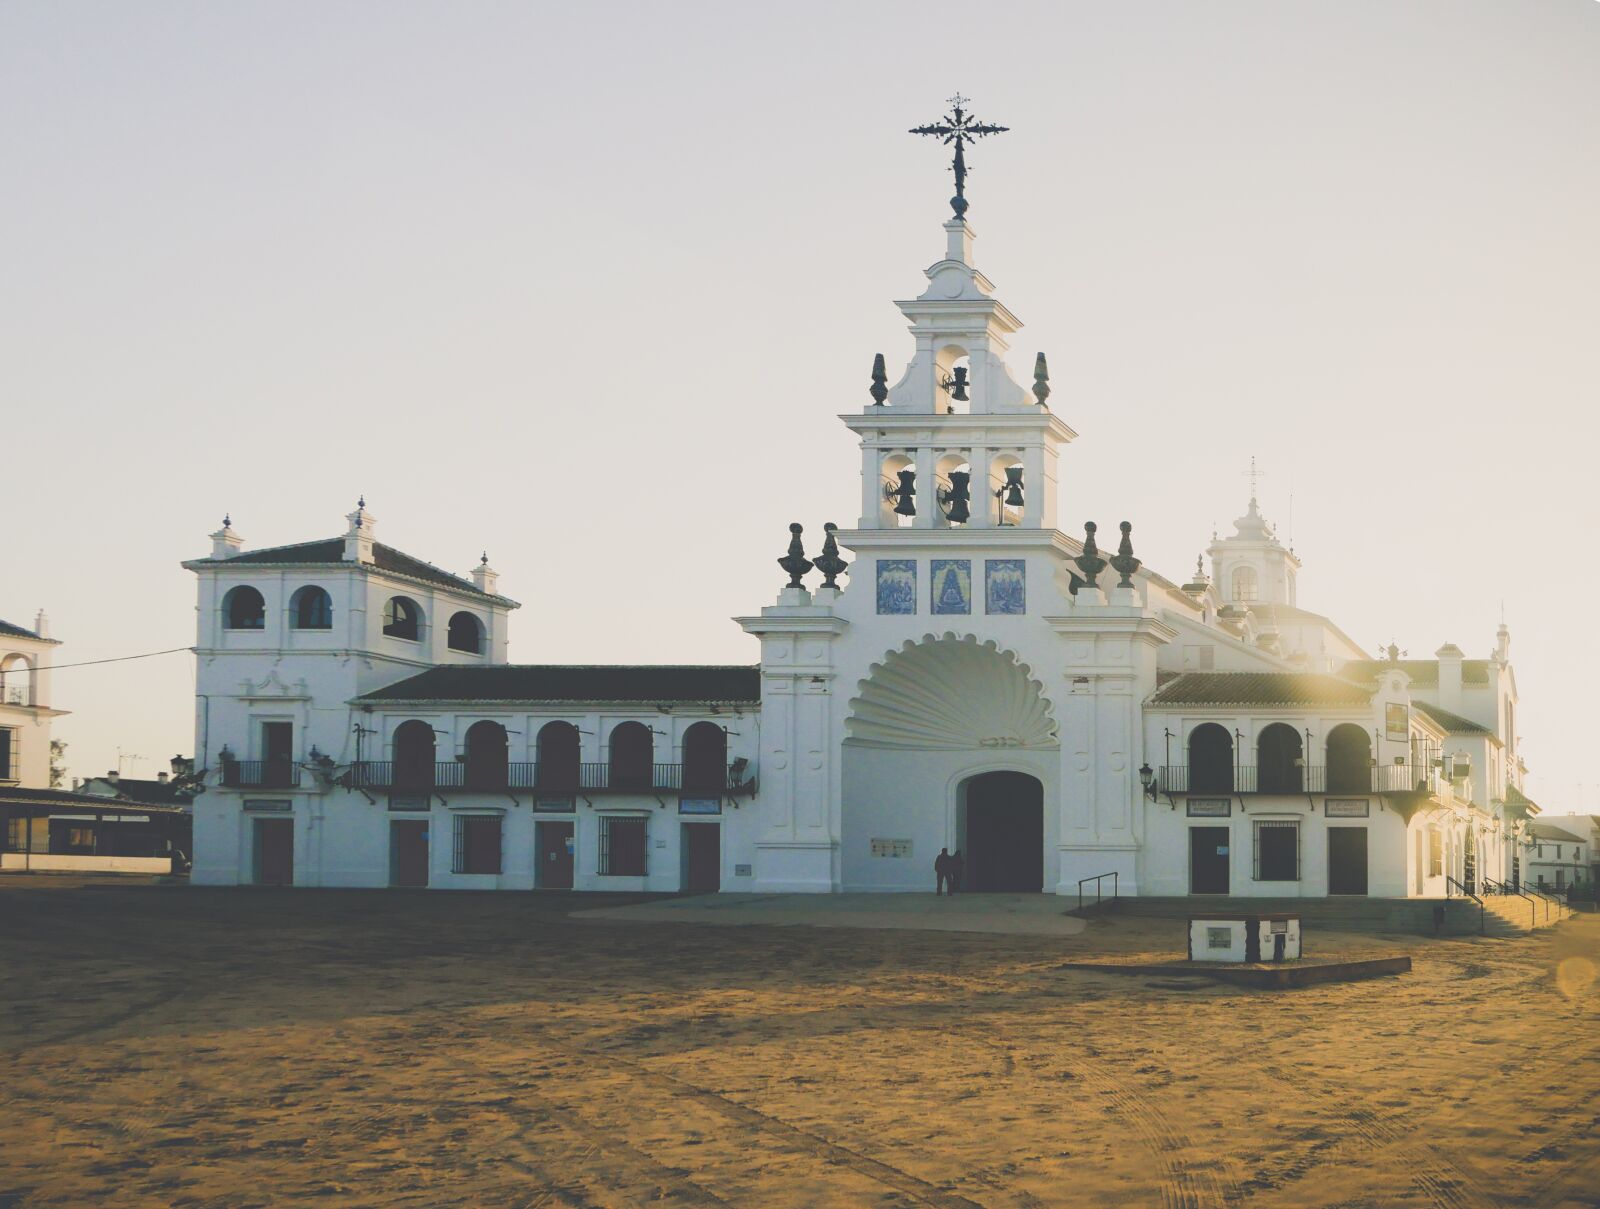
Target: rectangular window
{"x": 1277, "y": 855}
{"x": 622, "y": 846}
{"x": 9, "y": 760}
{"x": 1435, "y": 853}
{"x": 1219, "y": 938}
{"x": 477, "y": 844}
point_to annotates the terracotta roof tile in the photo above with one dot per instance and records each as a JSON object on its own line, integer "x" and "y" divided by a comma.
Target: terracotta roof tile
{"x": 1260, "y": 688}
{"x": 523, "y": 683}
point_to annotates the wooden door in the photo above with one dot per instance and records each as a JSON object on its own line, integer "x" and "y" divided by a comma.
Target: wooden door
{"x": 277, "y": 754}
{"x": 274, "y": 852}
{"x": 1347, "y": 860}
{"x": 408, "y": 852}
{"x": 553, "y": 845}
{"x": 1208, "y": 860}
{"x": 702, "y": 859}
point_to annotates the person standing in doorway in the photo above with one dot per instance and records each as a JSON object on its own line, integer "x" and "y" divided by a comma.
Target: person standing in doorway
{"x": 958, "y": 869}
{"x": 941, "y": 873}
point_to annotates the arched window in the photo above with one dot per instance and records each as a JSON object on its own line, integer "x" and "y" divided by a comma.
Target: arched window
{"x": 414, "y": 756}
{"x": 402, "y": 618}
{"x": 1245, "y": 585}
{"x": 1349, "y": 759}
{"x": 243, "y": 608}
{"x": 466, "y": 634}
{"x": 311, "y": 608}
{"x": 1280, "y": 760}
{"x": 705, "y": 758}
{"x": 558, "y": 757}
{"x": 632, "y": 756}
{"x": 16, "y": 680}
{"x": 487, "y": 756}
{"x": 1210, "y": 759}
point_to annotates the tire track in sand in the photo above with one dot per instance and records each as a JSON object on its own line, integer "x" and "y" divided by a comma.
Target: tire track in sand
{"x": 1440, "y": 1178}
{"x": 919, "y": 1190}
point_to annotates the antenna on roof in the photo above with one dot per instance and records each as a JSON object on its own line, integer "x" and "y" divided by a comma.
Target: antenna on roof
{"x": 1291, "y": 522}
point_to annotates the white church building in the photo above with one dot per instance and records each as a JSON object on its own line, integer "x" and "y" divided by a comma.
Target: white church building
{"x": 981, "y": 680}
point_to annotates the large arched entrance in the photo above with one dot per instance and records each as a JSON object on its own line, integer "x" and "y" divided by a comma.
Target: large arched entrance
{"x": 1001, "y": 825}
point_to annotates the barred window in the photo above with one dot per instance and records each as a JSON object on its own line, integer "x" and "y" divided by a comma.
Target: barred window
{"x": 477, "y": 843}
{"x": 622, "y": 846}
{"x": 1277, "y": 850}
{"x": 10, "y": 758}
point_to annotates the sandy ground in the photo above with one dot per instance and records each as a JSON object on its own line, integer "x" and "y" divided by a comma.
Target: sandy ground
{"x": 176, "y": 1046}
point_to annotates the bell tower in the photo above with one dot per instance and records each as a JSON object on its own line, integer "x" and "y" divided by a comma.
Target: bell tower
{"x": 958, "y": 442}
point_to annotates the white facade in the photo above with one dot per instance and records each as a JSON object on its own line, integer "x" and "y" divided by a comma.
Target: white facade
{"x": 25, "y": 712}
{"x": 980, "y": 682}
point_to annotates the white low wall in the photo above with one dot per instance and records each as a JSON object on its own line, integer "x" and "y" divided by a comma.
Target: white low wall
{"x": 43, "y": 862}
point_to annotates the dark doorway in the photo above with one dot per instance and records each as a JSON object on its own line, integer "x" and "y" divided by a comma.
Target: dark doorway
{"x": 1349, "y": 759}
{"x": 408, "y": 852}
{"x": 702, "y": 857}
{"x": 1347, "y": 860}
{"x": 632, "y": 756}
{"x": 705, "y": 758}
{"x": 488, "y": 756}
{"x": 1208, "y": 860}
{"x": 1005, "y": 833}
{"x": 1210, "y": 759}
{"x": 274, "y": 852}
{"x": 558, "y": 750}
{"x": 1280, "y": 760}
{"x": 277, "y": 754}
{"x": 414, "y": 755}
{"x": 553, "y": 846}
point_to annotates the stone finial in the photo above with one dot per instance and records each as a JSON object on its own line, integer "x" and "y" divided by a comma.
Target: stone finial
{"x": 225, "y": 543}
{"x": 1124, "y": 562}
{"x": 795, "y": 562}
{"x": 1090, "y": 562}
{"x": 358, "y": 538}
{"x": 1041, "y": 380}
{"x": 829, "y": 562}
{"x": 485, "y": 578}
{"x": 880, "y": 381}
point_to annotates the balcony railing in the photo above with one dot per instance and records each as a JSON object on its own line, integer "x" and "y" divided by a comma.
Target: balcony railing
{"x": 547, "y": 778}
{"x": 260, "y": 774}
{"x": 16, "y": 694}
{"x": 1311, "y": 778}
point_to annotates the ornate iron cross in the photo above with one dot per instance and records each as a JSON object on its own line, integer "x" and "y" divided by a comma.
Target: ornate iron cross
{"x": 959, "y": 127}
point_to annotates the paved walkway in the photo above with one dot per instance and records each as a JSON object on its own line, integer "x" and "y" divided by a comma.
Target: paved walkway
{"x": 1013, "y": 914}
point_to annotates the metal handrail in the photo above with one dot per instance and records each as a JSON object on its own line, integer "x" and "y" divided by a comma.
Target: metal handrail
{"x": 1547, "y": 899}
{"x": 1506, "y": 890}
{"x": 1097, "y": 879}
{"x": 1450, "y": 882}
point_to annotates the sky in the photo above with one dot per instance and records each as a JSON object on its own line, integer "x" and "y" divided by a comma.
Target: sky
{"x": 586, "y": 286}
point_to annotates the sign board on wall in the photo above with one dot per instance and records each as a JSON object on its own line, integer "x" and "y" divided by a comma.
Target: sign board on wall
{"x": 699, "y": 805}
{"x": 894, "y": 849}
{"x": 1348, "y": 808}
{"x": 1210, "y": 808}
{"x": 1397, "y": 721}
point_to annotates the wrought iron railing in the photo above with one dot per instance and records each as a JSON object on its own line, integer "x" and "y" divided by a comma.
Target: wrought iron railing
{"x": 16, "y": 694}
{"x": 547, "y": 777}
{"x": 260, "y": 774}
{"x": 1305, "y": 778}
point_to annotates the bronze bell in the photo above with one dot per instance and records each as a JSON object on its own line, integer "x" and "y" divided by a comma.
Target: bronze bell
{"x": 958, "y": 496}
{"x": 958, "y": 387}
{"x": 1013, "y": 486}
{"x": 906, "y": 494}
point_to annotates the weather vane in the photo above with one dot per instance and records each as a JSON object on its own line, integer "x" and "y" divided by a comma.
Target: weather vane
{"x": 1255, "y": 476}
{"x": 960, "y": 128}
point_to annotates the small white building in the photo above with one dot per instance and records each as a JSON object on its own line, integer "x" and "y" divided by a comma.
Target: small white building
{"x": 1557, "y": 858}
{"x": 975, "y": 679}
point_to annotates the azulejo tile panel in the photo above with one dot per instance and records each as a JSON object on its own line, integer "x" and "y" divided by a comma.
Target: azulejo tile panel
{"x": 1005, "y": 585}
{"x": 897, "y": 585}
{"x": 951, "y": 581}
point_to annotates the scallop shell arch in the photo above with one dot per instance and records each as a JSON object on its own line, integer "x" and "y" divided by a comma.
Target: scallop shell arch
{"x": 951, "y": 692}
